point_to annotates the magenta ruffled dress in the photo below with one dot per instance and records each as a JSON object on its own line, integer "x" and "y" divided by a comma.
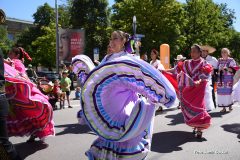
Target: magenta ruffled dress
{"x": 30, "y": 113}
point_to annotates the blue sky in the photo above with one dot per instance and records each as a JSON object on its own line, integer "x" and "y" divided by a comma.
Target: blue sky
{"x": 24, "y": 9}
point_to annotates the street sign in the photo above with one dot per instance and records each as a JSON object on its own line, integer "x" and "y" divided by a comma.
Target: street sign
{"x": 137, "y": 39}
{"x": 96, "y": 54}
{"x": 139, "y": 35}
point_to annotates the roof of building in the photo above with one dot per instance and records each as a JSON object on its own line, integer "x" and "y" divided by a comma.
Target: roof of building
{"x": 18, "y": 20}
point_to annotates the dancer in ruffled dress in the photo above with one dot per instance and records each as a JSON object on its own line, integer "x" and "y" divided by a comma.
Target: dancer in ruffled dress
{"x": 113, "y": 109}
{"x": 30, "y": 113}
{"x": 7, "y": 150}
{"x": 192, "y": 81}
{"x": 82, "y": 65}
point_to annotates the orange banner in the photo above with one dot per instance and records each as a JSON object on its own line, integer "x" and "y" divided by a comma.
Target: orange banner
{"x": 165, "y": 55}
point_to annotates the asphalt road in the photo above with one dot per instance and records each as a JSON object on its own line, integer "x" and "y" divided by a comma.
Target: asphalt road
{"x": 172, "y": 139}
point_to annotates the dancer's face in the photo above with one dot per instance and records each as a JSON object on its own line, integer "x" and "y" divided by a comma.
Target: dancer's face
{"x": 224, "y": 54}
{"x": 195, "y": 53}
{"x": 204, "y": 53}
{"x": 11, "y": 55}
{"x": 116, "y": 43}
{"x": 153, "y": 56}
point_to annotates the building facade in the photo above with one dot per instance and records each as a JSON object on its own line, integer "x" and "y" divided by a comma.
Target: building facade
{"x": 16, "y": 26}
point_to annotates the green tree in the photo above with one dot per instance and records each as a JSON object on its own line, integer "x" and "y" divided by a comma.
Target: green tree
{"x": 45, "y": 47}
{"x": 64, "y": 16}
{"x": 44, "y": 15}
{"x": 178, "y": 24}
{"x": 26, "y": 38}
{"x": 92, "y": 16}
{"x": 234, "y": 45}
{"x": 40, "y": 39}
{"x": 207, "y": 23}
{"x": 5, "y": 43}
{"x": 159, "y": 20}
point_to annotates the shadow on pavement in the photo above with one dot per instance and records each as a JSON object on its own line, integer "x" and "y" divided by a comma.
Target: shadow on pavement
{"x": 73, "y": 129}
{"x": 164, "y": 111}
{"x": 26, "y": 149}
{"x": 167, "y": 142}
{"x": 176, "y": 118}
{"x": 233, "y": 128}
{"x": 160, "y": 113}
{"x": 217, "y": 114}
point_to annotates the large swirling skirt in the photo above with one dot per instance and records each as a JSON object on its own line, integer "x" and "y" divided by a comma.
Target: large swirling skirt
{"x": 82, "y": 65}
{"x": 236, "y": 92}
{"x": 114, "y": 111}
{"x": 193, "y": 103}
{"x": 30, "y": 113}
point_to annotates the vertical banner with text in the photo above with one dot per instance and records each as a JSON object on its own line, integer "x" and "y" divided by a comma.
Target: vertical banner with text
{"x": 71, "y": 43}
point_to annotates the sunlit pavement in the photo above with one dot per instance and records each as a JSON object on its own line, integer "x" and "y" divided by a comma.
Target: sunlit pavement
{"x": 172, "y": 139}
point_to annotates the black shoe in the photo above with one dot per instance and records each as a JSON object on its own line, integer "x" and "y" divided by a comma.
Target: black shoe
{"x": 199, "y": 134}
{"x": 31, "y": 139}
{"x": 70, "y": 107}
{"x": 160, "y": 109}
{"x": 230, "y": 108}
{"x": 194, "y": 131}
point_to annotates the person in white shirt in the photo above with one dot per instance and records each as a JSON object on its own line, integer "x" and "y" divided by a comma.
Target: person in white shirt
{"x": 206, "y": 51}
{"x": 155, "y": 62}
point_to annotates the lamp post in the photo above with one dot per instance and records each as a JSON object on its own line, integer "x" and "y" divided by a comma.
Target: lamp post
{"x": 134, "y": 25}
{"x": 134, "y": 32}
{"x": 57, "y": 38}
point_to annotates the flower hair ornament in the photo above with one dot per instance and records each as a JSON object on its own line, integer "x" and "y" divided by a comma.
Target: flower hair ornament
{"x": 129, "y": 45}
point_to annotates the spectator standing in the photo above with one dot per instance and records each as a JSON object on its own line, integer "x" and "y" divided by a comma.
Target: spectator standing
{"x": 31, "y": 73}
{"x": 71, "y": 75}
{"x": 65, "y": 84}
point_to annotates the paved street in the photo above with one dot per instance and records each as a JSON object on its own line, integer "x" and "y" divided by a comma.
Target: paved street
{"x": 172, "y": 139}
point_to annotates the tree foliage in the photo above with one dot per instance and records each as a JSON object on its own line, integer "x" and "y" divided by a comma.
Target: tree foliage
{"x": 234, "y": 45}
{"x": 5, "y": 43}
{"x": 64, "y": 16}
{"x": 159, "y": 20}
{"x": 44, "y": 15}
{"x": 36, "y": 40}
{"x": 207, "y": 23}
{"x": 45, "y": 47}
{"x": 178, "y": 24}
{"x": 92, "y": 16}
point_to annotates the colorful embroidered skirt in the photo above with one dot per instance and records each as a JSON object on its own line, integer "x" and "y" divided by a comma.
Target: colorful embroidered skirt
{"x": 193, "y": 103}
{"x": 30, "y": 112}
